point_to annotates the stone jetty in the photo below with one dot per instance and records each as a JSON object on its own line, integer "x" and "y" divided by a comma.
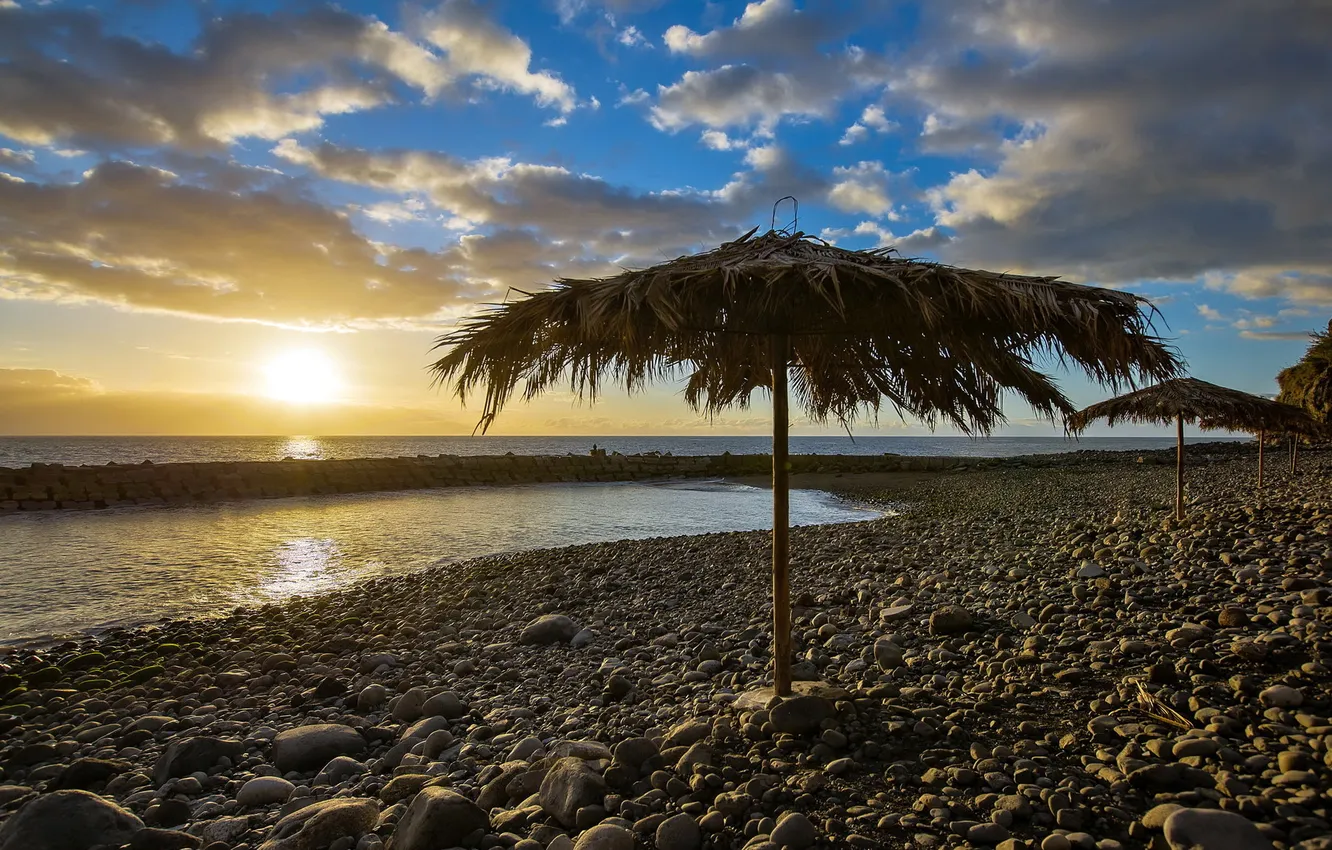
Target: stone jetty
{"x": 1028, "y": 657}
{"x": 55, "y": 487}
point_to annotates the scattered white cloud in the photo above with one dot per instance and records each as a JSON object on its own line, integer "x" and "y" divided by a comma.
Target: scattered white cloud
{"x": 1211, "y": 314}
{"x": 855, "y": 134}
{"x": 476, "y": 46}
{"x": 588, "y": 221}
{"x": 719, "y": 141}
{"x": 748, "y": 96}
{"x": 865, "y": 187}
{"x": 499, "y": 192}
{"x": 872, "y": 119}
{"x": 769, "y": 29}
{"x": 765, "y": 157}
{"x": 64, "y": 77}
{"x": 908, "y": 245}
{"x": 570, "y": 10}
{"x": 395, "y": 212}
{"x": 632, "y": 98}
{"x": 1274, "y": 336}
{"x": 1259, "y": 282}
{"x": 547, "y": 221}
{"x": 631, "y": 37}
{"x": 778, "y": 62}
{"x": 942, "y": 133}
{"x": 1250, "y": 322}
{"x": 17, "y": 158}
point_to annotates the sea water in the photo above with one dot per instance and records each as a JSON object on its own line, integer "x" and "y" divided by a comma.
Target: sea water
{"x": 21, "y": 451}
{"x": 68, "y": 572}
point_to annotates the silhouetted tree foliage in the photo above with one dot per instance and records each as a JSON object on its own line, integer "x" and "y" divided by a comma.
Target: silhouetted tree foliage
{"x": 1308, "y": 383}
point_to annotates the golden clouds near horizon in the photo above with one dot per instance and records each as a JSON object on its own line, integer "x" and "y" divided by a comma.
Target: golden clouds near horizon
{"x": 303, "y": 376}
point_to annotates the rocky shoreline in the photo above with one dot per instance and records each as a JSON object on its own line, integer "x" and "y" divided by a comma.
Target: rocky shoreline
{"x": 1029, "y": 657}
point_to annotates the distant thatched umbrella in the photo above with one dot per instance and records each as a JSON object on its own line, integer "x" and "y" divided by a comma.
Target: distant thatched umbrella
{"x": 1209, "y": 406}
{"x": 857, "y": 327}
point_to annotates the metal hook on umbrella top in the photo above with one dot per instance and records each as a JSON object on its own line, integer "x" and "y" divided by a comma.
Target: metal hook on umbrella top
{"x": 791, "y": 228}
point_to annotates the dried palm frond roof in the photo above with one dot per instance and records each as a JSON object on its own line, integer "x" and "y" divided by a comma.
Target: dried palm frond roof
{"x": 1208, "y": 406}
{"x": 935, "y": 341}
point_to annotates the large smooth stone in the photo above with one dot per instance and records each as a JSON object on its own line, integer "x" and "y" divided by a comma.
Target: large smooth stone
{"x": 86, "y": 772}
{"x": 606, "y": 836}
{"x": 438, "y": 817}
{"x": 320, "y": 824}
{"x": 311, "y": 747}
{"x": 1212, "y": 829}
{"x": 679, "y": 832}
{"x": 799, "y": 715}
{"x": 68, "y": 820}
{"x": 795, "y": 831}
{"x": 183, "y": 757}
{"x": 688, "y": 732}
{"x": 446, "y": 704}
{"x": 264, "y": 791}
{"x": 950, "y": 619}
{"x": 548, "y": 629}
{"x": 569, "y": 785}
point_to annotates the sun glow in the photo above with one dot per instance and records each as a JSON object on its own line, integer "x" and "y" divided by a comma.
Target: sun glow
{"x": 302, "y": 377}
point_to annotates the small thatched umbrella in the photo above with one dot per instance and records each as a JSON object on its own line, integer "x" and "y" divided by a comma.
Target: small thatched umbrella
{"x": 1209, "y": 406}
{"x": 857, "y": 327}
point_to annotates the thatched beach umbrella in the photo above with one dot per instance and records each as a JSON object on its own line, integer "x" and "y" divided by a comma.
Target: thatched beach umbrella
{"x": 854, "y": 328}
{"x": 1210, "y": 407}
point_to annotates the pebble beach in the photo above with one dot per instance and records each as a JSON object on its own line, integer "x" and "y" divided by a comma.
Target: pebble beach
{"x": 1019, "y": 658}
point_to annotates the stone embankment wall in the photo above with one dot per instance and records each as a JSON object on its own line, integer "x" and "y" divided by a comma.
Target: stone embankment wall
{"x": 53, "y": 487}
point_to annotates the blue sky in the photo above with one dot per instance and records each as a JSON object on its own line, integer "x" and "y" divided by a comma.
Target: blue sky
{"x": 189, "y": 192}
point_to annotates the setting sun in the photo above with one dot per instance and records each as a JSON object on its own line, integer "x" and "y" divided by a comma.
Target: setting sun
{"x": 305, "y": 376}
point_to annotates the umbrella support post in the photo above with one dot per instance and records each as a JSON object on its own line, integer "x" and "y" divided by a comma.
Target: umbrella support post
{"x": 1262, "y": 438}
{"x": 781, "y": 530}
{"x": 1294, "y": 452}
{"x": 1179, "y": 467}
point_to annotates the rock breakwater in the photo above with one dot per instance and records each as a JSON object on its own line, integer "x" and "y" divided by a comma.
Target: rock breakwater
{"x": 1119, "y": 680}
{"x": 56, "y": 487}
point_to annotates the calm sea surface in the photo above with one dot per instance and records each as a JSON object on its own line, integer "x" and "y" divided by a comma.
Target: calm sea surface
{"x": 21, "y": 451}
{"x": 69, "y": 572}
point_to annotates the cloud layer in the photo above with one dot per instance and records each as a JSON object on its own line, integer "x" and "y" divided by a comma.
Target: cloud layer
{"x": 65, "y": 78}
{"x": 1143, "y": 140}
{"x": 141, "y": 237}
{"x": 1134, "y": 144}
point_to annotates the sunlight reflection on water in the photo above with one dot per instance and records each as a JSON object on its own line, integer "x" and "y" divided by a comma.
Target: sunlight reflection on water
{"x": 305, "y": 565}
{"x": 303, "y": 448}
{"x": 64, "y": 572}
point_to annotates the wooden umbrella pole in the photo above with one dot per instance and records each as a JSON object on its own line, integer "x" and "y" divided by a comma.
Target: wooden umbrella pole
{"x": 1294, "y": 452}
{"x": 781, "y": 531}
{"x": 1262, "y": 438}
{"x": 1179, "y": 466}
